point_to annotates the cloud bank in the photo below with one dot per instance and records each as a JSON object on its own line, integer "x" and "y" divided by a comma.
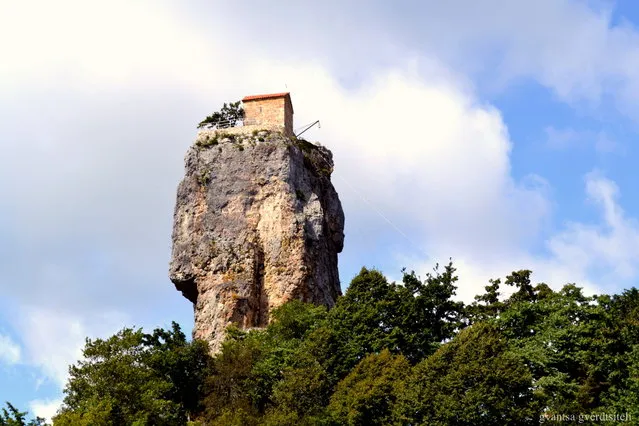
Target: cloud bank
{"x": 100, "y": 104}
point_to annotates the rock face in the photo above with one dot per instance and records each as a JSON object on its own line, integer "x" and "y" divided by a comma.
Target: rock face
{"x": 257, "y": 223}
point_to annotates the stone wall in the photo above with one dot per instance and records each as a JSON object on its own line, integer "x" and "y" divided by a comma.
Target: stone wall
{"x": 240, "y": 131}
{"x": 288, "y": 117}
{"x": 274, "y": 113}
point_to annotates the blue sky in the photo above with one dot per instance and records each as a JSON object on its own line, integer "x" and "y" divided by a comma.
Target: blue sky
{"x": 501, "y": 134}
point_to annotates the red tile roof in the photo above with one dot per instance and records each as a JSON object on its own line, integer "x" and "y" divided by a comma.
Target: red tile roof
{"x": 271, "y": 96}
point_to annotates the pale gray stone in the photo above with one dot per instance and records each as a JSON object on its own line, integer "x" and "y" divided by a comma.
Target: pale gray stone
{"x": 265, "y": 227}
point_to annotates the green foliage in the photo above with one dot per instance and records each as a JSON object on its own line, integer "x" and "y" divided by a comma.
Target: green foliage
{"x": 11, "y": 416}
{"x": 136, "y": 378}
{"x": 624, "y": 396}
{"x": 235, "y": 417}
{"x": 204, "y": 178}
{"x": 229, "y": 136}
{"x": 623, "y": 393}
{"x": 378, "y": 356}
{"x": 306, "y": 146}
{"x": 568, "y": 341}
{"x": 184, "y": 363}
{"x": 208, "y": 141}
{"x": 303, "y": 389}
{"x": 227, "y": 116}
{"x": 386, "y": 353}
{"x": 295, "y": 320}
{"x": 412, "y": 318}
{"x": 525, "y": 291}
{"x": 98, "y": 414}
{"x": 486, "y": 305}
{"x": 313, "y": 158}
{"x": 288, "y": 372}
{"x": 250, "y": 365}
{"x": 367, "y": 395}
{"x": 228, "y": 387}
{"x": 472, "y": 380}
{"x": 428, "y": 314}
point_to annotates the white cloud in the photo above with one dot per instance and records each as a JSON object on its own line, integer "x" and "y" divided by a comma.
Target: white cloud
{"x": 54, "y": 340}
{"x": 109, "y": 97}
{"x": 568, "y": 46}
{"x": 452, "y": 149}
{"x": 600, "y": 258}
{"x": 10, "y": 352}
{"x": 563, "y": 138}
{"x": 434, "y": 161}
{"x": 45, "y": 408}
{"x": 572, "y": 47}
{"x": 569, "y": 138}
{"x": 76, "y": 43}
{"x": 608, "y": 252}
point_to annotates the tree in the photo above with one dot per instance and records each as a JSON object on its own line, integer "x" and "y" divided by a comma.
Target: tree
{"x": 11, "y": 416}
{"x": 411, "y": 319}
{"x": 428, "y": 315}
{"x": 387, "y": 353}
{"x": 367, "y": 395}
{"x": 472, "y": 380}
{"x": 136, "y": 378}
{"x": 227, "y": 116}
{"x": 571, "y": 344}
{"x": 624, "y": 397}
{"x": 227, "y": 389}
{"x": 525, "y": 290}
{"x": 486, "y": 306}
{"x": 256, "y": 372}
{"x": 185, "y": 364}
{"x": 302, "y": 393}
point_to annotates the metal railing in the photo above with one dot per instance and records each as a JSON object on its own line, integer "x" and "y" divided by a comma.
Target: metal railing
{"x": 225, "y": 124}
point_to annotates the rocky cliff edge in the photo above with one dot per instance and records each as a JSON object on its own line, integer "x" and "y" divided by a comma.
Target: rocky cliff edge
{"x": 257, "y": 223}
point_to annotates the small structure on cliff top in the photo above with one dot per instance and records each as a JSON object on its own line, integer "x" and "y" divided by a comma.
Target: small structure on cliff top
{"x": 270, "y": 111}
{"x": 257, "y": 222}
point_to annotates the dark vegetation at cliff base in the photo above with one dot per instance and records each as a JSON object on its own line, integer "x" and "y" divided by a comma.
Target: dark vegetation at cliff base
{"x": 386, "y": 354}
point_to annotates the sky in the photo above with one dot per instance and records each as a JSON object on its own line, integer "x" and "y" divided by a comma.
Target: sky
{"x": 498, "y": 133}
